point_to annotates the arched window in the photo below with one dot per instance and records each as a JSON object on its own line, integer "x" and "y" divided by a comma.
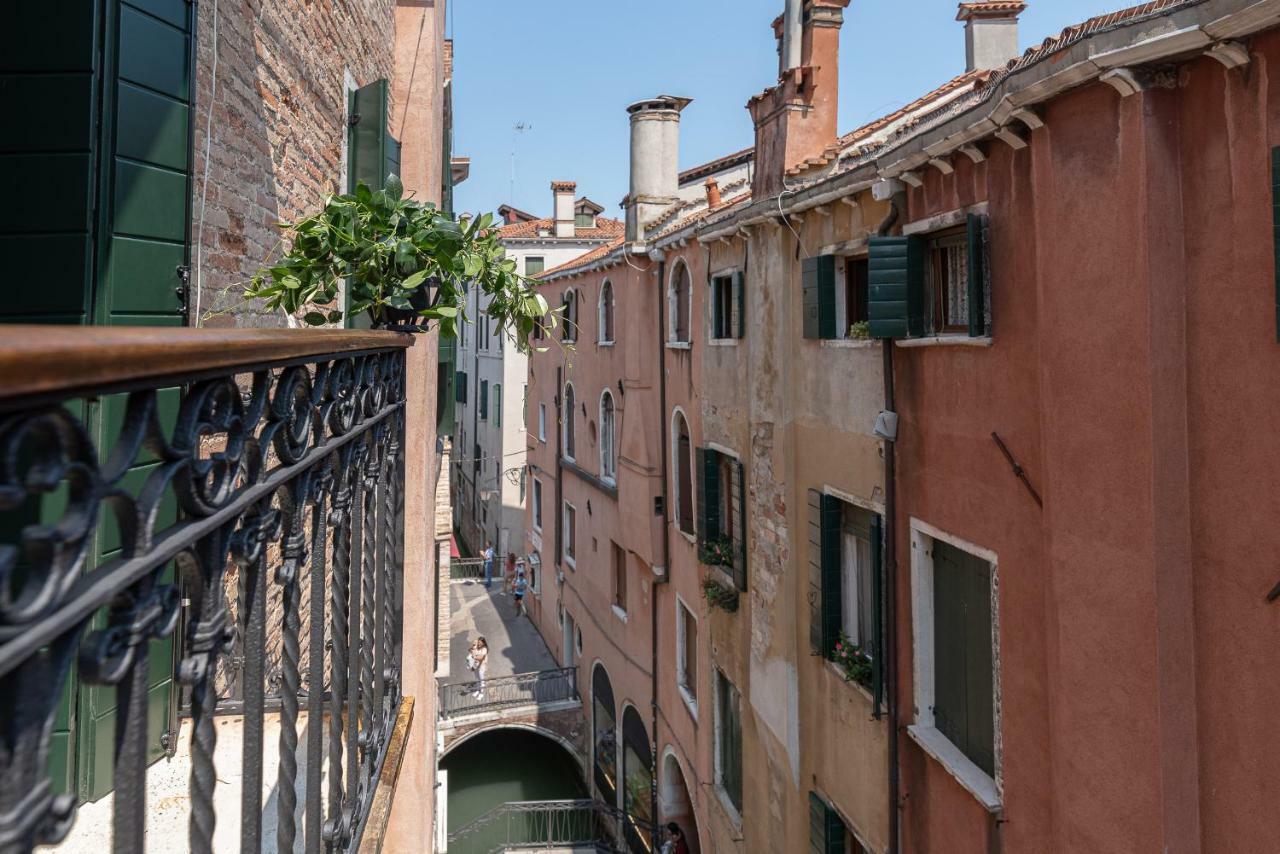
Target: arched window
{"x": 568, "y": 418}
{"x": 569, "y": 332}
{"x": 608, "y": 444}
{"x": 604, "y": 731}
{"x": 606, "y": 313}
{"x": 637, "y": 780}
{"x": 679, "y": 294}
{"x": 682, "y": 471}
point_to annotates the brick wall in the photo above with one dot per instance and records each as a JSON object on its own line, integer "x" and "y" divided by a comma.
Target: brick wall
{"x": 277, "y": 135}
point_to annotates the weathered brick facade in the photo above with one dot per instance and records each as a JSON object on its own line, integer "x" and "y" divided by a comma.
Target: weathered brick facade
{"x": 277, "y": 135}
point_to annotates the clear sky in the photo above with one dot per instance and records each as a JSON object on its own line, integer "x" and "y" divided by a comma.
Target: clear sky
{"x": 567, "y": 69}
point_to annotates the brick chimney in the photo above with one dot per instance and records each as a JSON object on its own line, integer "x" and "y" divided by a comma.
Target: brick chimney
{"x": 990, "y": 33}
{"x": 796, "y": 119}
{"x": 562, "y": 193}
{"x": 655, "y": 160}
{"x": 713, "y": 193}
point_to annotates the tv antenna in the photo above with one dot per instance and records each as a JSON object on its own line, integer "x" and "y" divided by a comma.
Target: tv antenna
{"x": 516, "y": 129}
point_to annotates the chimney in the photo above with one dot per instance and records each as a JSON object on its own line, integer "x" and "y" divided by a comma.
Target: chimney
{"x": 562, "y": 193}
{"x": 990, "y": 33}
{"x": 796, "y": 119}
{"x": 713, "y": 193}
{"x": 655, "y": 160}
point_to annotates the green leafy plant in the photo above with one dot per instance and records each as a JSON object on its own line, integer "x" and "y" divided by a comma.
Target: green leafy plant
{"x": 855, "y": 663}
{"x": 860, "y": 331}
{"x": 719, "y": 595}
{"x": 403, "y": 261}
{"x": 717, "y": 552}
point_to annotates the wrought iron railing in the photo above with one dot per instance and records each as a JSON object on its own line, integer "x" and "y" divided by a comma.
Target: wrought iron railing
{"x": 523, "y": 689}
{"x": 542, "y": 825}
{"x": 284, "y": 457}
{"x": 468, "y": 567}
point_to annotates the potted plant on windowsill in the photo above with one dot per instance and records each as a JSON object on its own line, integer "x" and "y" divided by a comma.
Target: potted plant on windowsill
{"x": 719, "y": 595}
{"x": 718, "y": 552}
{"x": 403, "y": 263}
{"x": 855, "y": 664}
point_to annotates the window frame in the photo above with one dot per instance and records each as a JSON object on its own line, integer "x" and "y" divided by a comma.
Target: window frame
{"x": 569, "y": 534}
{"x": 542, "y": 423}
{"x": 618, "y": 573}
{"x": 542, "y": 259}
{"x": 569, "y": 432}
{"x": 496, "y": 407}
{"x": 688, "y": 687}
{"x": 673, "y": 305}
{"x": 986, "y": 788}
{"x": 536, "y": 492}
{"x": 937, "y": 289}
{"x": 721, "y": 316}
{"x": 608, "y": 441}
{"x": 677, "y": 481}
{"x": 569, "y": 318}
{"x": 606, "y": 314}
{"x": 734, "y": 807}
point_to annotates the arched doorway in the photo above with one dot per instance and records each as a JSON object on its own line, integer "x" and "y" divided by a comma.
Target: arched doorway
{"x": 604, "y": 736}
{"x": 675, "y": 804}
{"x": 637, "y": 782}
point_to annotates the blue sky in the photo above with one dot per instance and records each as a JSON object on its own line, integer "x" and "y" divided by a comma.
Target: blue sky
{"x": 568, "y": 68}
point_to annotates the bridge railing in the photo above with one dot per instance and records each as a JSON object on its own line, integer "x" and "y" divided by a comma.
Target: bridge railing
{"x": 538, "y": 688}
{"x": 468, "y": 567}
{"x": 540, "y": 825}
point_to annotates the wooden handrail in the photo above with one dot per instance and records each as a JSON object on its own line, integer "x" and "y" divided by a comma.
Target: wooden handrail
{"x": 38, "y": 359}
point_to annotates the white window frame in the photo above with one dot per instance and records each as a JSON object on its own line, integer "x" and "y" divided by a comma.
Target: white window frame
{"x": 673, "y": 297}
{"x": 565, "y": 539}
{"x": 608, "y": 442}
{"x": 568, "y": 426}
{"x": 717, "y": 760}
{"x": 682, "y": 643}
{"x": 612, "y": 305}
{"x": 536, "y": 492}
{"x": 542, "y": 423}
{"x": 988, "y": 790}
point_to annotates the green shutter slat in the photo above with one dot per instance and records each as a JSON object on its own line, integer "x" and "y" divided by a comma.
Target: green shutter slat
{"x": 708, "y": 462}
{"x": 950, "y": 672}
{"x": 895, "y": 287}
{"x": 1275, "y": 224}
{"x": 368, "y": 143}
{"x": 809, "y": 298}
{"x": 739, "y": 305}
{"x": 977, "y": 275}
{"x": 484, "y": 400}
{"x": 393, "y": 157}
{"x": 818, "y": 287}
{"x": 815, "y": 571}
{"x": 878, "y": 644}
{"x": 835, "y": 832}
{"x": 817, "y": 825}
{"x": 979, "y": 681}
{"x": 460, "y": 387}
{"x": 832, "y": 516}
{"x": 741, "y": 574}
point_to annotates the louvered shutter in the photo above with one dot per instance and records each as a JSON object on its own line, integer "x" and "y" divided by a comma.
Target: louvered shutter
{"x": 831, "y": 573}
{"x": 878, "y": 644}
{"x": 826, "y": 828}
{"x": 818, "y": 286}
{"x": 739, "y": 305}
{"x": 740, "y": 576}
{"x": 460, "y": 387}
{"x": 369, "y": 152}
{"x": 976, "y": 246}
{"x": 484, "y": 400}
{"x": 708, "y": 462}
{"x": 815, "y": 572}
{"x": 895, "y": 287}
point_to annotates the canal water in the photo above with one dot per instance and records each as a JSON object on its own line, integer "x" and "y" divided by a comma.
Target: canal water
{"x": 507, "y": 765}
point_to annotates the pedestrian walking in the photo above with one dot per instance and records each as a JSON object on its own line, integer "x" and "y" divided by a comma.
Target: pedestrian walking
{"x": 519, "y": 587}
{"x": 488, "y": 555}
{"x": 675, "y": 843}
{"x": 478, "y": 661}
{"x": 509, "y": 574}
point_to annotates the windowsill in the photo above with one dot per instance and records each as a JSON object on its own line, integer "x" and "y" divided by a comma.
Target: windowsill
{"x": 850, "y": 343}
{"x": 723, "y": 342}
{"x": 604, "y": 343}
{"x": 730, "y": 810}
{"x": 619, "y": 613}
{"x": 570, "y": 562}
{"x": 835, "y": 668}
{"x": 974, "y": 780}
{"x": 679, "y": 345}
{"x": 956, "y": 340}
{"x": 692, "y": 538}
{"x": 690, "y": 702}
{"x": 542, "y": 439}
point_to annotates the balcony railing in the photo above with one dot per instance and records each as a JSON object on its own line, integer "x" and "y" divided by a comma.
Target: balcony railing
{"x": 282, "y": 451}
{"x": 523, "y": 689}
{"x": 543, "y": 825}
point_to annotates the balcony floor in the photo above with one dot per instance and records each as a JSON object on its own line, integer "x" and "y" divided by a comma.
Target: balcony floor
{"x": 515, "y": 646}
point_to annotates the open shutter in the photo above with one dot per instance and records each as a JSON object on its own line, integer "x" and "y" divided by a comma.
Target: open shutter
{"x": 895, "y": 287}
{"x": 484, "y": 400}
{"x": 815, "y": 572}
{"x": 878, "y": 644}
{"x": 949, "y": 588}
{"x": 979, "y": 679}
{"x": 368, "y": 143}
{"x": 739, "y": 305}
{"x": 826, "y": 828}
{"x": 977, "y": 275}
{"x": 818, "y": 283}
{"x": 708, "y": 495}
{"x": 740, "y": 576}
{"x": 832, "y": 515}
{"x": 460, "y": 387}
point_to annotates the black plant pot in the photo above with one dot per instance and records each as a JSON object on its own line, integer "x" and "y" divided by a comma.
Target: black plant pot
{"x": 410, "y": 318}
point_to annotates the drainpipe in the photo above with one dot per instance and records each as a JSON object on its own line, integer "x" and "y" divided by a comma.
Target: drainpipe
{"x": 890, "y": 564}
{"x": 666, "y": 528}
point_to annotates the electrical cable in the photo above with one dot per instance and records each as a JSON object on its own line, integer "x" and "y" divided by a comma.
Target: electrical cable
{"x": 204, "y": 179}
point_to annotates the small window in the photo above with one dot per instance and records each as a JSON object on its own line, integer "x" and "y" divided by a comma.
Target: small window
{"x": 570, "y": 413}
{"x": 619, "y": 556}
{"x": 533, "y": 265}
{"x": 687, "y": 653}
{"x": 608, "y": 439}
{"x": 606, "y": 313}
{"x": 722, "y": 308}
{"x": 584, "y": 220}
{"x": 679, "y": 293}
{"x": 828, "y": 834}
{"x": 535, "y": 571}
{"x": 484, "y": 400}
{"x": 497, "y": 405}
{"x": 722, "y": 513}
{"x": 728, "y": 741}
{"x": 682, "y": 463}
{"x": 542, "y": 422}
{"x": 856, "y": 298}
{"x": 947, "y": 273}
{"x": 537, "y": 504}
{"x": 569, "y": 330}
{"x": 570, "y": 533}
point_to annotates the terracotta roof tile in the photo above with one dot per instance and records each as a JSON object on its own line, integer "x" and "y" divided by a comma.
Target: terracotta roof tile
{"x": 717, "y": 165}
{"x": 583, "y": 260}
{"x": 606, "y": 229}
{"x": 990, "y": 9}
{"x": 689, "y": 220}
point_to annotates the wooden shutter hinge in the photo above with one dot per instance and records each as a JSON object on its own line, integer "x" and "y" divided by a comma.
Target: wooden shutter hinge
{"x": 353, "y": 120}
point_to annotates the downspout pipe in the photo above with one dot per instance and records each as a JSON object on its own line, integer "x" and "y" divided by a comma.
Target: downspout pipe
{"x": 666, "y": 530}
{"x": 891, "y": 562}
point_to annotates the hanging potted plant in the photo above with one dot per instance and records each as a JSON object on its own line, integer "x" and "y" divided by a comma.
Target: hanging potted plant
{"x": 719, "y": 595}
{"x": 403, "y": 263}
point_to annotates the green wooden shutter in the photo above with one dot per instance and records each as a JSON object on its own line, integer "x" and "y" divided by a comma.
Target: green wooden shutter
{"x": 739, "y": 305}
{"x": 740, "y": 576}
{"x": 949, "y": 671}
{"x": 708, "y": 463}
{"x": 818, "y": 286}
{"x": 483, "y": 400}
{"x": 368, "y": 148}
{"x": 497, "y": 405}
{"x": 879, "y": 644}
{"x": 976, "y": 250}
{"x": 826, "y": 828}
{"x": 979, "y": 679}
{"x": 815, "y": 572}
{"x": 460, "y": 387}
{"x": 1275, "y": 225}
{"x": 895, "y": 287}
{"x": 835, "y": 832}
{"x": 832, "y": 517}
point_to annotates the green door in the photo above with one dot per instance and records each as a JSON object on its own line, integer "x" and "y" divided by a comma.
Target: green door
{"x": 103, "y": 165}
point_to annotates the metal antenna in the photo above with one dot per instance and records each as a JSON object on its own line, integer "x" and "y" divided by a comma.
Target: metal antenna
{"x": 516, "y": 129}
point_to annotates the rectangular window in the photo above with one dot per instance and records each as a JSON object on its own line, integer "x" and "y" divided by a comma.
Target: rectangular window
{"x": 460, "y": 387}
{"x": 497, "y": 405}
{"x": 542, "y": 422}
{"x": 948, "y": 282}
{"x": 537, "y": 504}
{"x": 722, "y": 307}
{"x": 584, "y": 220}
{"x": 828, "y": 834}
{"x": 484, "y": 400}
{"x": 533, "y": 265}
{"x": 729, "y": 741}
{"x": 722, "y": 503}
{"x": 619, "y": 577}
{"x": 856, "y": 296}
{"x": 687, "y": 653}
{"x": 570, "y": 533}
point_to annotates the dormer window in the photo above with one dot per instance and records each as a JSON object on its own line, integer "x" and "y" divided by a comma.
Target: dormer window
{"x": 584, "y": 220}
